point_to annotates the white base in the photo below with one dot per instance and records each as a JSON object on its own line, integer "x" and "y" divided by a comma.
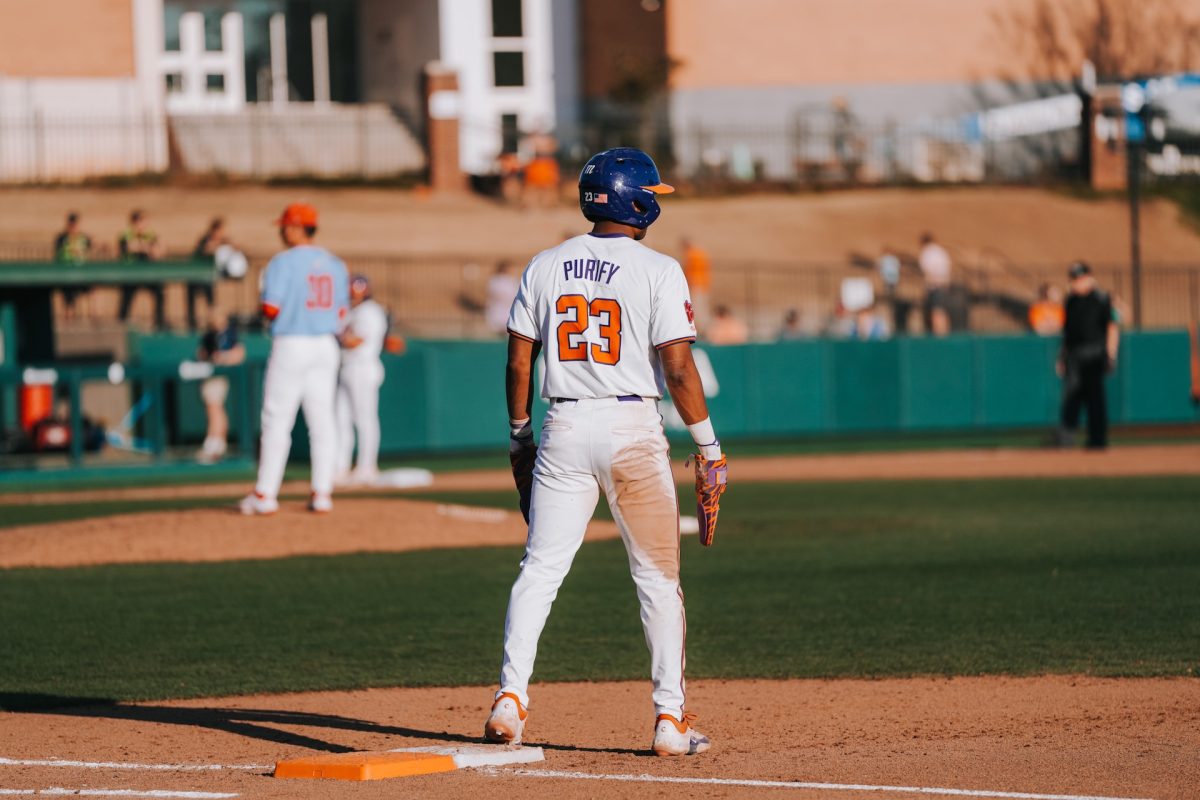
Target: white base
{"x": 403, "y": 478}
{"x": 469, "y": 756}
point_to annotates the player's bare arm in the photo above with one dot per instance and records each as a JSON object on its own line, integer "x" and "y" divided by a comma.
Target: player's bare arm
{"x": 683, "y": 382}
{"x": 518, "y": 386}
{"x": 518, "y": 382}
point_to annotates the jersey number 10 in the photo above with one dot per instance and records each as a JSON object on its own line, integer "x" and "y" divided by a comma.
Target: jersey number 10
{"x": 320, "y": 291}
{"x": 580, "y": 312}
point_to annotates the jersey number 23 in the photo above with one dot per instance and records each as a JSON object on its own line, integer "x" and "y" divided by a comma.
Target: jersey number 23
{"x": 579, "y": 312}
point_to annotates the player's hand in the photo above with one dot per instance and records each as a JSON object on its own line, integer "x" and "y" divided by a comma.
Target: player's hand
{"x": 711, "y": 480}
{"x": 522, "y": 455}
{"x": 1060, "y": 368}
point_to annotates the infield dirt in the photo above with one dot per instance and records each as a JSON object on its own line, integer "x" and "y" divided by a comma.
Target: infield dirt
{"x": 1061, "y": 735}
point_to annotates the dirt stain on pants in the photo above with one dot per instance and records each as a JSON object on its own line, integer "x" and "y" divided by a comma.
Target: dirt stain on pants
{"x": 643, "y": 499}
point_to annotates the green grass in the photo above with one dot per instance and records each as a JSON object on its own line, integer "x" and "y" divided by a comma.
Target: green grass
{"x": 840, "y": 579}
{"x": 43, "y": 514}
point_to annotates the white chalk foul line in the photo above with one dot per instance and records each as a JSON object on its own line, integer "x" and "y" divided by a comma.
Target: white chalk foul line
{"x": 832, "y": 787}
{"x": 56, "y": 791}
{"x": 58, "y": 762}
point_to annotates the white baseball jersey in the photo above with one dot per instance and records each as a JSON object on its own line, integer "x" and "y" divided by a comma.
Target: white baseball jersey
{"x": 602, "y": 305}
{"x": 368, "y": 321}
{"x": 358, "y": 391}
{"x": 934, "y": 262}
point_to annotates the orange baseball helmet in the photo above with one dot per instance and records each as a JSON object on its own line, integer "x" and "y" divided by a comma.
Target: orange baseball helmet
{"x": 302, "y": 215}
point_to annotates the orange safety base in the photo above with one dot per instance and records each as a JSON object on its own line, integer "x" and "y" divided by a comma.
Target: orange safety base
{"x": 364, "y": 766}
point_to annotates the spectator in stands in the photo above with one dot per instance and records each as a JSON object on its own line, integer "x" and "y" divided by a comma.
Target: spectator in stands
{"x": 1046, "y": 315}
{"x": 869, "y": 325}
{"x": 1090, "y": 340}
{"x": 508, "y": 164}
{"x": 792, "y": 329}
{"x": 726, "y": 328}
{"x": 889, "y": 266}
{"x": 855, "y": 316}
{"x": 72, "y": 246}
{"x": 206, "y": 250}
{"x": 220, "y": 347}
{"x": 501, "y": 291}
{"x": 847, "y": 143}
{"x": 697, "y": 271}
{"x": 137, "y": 243}
{"x": 542, "y": 175}
{"x": 935, "y": 265}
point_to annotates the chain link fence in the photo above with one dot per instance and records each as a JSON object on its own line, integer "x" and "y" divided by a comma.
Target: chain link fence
{"x": 446, "y": 296}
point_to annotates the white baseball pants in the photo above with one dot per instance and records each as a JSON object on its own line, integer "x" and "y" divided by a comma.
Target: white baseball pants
{"x": 301, "y": 373}
{"x": 617, "y": 446}
{"x": 358, "y": 410}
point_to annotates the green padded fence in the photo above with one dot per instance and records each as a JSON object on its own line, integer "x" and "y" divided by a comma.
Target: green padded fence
{"x": 448, "y": 395}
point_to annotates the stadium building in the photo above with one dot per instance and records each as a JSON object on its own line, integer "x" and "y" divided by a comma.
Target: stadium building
{"x": 262, "y": 87}
{"x": 871, "y": 90}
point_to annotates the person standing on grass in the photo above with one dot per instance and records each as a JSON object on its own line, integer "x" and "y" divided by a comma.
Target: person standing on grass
{"x": 1090, "y": 341}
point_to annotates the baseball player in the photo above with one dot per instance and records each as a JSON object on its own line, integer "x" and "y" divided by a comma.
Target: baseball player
{"x": 305, "y": 295}
{"x": 614, "y": 322}
{"x": 358, "y": 385}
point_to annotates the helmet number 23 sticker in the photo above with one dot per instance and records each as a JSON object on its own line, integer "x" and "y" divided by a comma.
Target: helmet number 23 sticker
{"x": 572, "y": 344}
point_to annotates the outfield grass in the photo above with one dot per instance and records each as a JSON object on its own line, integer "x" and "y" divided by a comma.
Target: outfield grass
{"x": 836, "y": 579}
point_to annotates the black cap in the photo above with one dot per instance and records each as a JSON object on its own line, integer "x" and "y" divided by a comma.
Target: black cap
{"x": 1079, "y": 269}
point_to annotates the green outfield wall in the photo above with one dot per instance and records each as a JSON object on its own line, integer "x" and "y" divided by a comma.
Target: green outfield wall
{"x": 448, "y": 395}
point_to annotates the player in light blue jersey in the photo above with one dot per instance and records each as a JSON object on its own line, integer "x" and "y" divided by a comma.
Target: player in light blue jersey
{"x": 306, "y": 296}
{"x": 308, "y": 287}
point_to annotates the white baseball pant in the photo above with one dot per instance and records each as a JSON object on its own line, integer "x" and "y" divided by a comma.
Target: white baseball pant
{"x": 358, "y": 410}
{"x": 618, "y": 446}
{"x": 301, "y": 373}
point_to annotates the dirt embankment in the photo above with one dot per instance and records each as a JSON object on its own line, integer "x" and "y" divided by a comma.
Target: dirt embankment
{"x": 982, "y": 225}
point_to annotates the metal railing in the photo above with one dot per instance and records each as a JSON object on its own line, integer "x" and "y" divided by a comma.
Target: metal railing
{"x": 445, "y": 297}
{"x": 369, "y": 142}
{"x": 359, "y": 142}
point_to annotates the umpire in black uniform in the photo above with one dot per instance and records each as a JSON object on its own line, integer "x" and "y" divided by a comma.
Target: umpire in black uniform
{"x": 1090, "y": 340}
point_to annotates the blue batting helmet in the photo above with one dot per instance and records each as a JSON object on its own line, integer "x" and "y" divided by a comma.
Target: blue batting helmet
{"x": 621, "y": 185}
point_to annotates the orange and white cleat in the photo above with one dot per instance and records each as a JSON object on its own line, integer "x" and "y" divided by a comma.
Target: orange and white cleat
{"x": 506, "y": 725}
{"x": 255, "y": 504}
{"x": 675, "y": 738}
